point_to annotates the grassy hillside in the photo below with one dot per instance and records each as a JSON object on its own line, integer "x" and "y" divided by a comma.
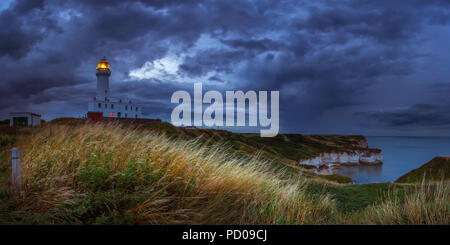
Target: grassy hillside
{"x": 290, "y": 147}
{"x": 435, "y": 170}
{"x": 106, "y": 174}
{"x": 283, "y": 151}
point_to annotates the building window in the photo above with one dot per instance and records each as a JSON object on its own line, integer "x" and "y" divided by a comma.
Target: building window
{"x": 126, "y": 115}
{"x": 126, "y": 108}
{"x": 118, "y": 114}
{"x": 112, "y": 106}
{"x": 136, "y": 115}
{"x": 131, "y": 107}
{"x": 136, "y": 108}
{"x": 106, "y": 105}
{"x": 99, "y": 105}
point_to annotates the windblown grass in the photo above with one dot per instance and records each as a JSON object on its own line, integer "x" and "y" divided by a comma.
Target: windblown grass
{"x": 107, "y": 174}
{"x": 156, "y": 180}
{"x": 424, "y": 204}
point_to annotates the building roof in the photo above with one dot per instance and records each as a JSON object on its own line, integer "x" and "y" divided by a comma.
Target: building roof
{"x": 31, "y": 113}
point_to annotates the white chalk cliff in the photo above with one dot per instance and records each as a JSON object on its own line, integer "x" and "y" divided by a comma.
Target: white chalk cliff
{"x": 351, "y": 158}
{"x": 355, "y": 157}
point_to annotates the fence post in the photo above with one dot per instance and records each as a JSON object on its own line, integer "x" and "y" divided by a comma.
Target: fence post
{"x": 16, "y": 169}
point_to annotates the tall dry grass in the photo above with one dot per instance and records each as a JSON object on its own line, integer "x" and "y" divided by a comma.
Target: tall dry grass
{"x": 180, "y": 181}
{"x": 424, "y": 204}
{"x": 75, "y": 173}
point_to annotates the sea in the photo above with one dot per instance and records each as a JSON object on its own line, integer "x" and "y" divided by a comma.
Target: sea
{"x": 400, "y": 155}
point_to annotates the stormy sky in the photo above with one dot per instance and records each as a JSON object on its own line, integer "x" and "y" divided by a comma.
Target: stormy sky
{"x": 377, "y": 67}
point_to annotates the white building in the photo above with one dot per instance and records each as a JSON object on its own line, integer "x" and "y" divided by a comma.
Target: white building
{"x": 24, "y": 119}
{"x": 103, "y": 102}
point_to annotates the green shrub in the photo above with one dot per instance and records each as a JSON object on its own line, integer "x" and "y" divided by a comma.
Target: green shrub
{"x": 7, "y": 140}
{"x": 127, "y": 179}
{"x": 95, "y": 176}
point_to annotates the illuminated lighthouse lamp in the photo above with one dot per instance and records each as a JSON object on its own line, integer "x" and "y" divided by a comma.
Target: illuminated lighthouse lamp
{"x": 103, "y": 65}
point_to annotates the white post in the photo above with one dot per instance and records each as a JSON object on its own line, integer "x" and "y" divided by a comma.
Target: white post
{"x": 16, "y": 169}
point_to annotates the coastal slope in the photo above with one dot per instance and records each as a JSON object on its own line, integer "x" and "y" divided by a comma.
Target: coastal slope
{"x": 437, "y": 169}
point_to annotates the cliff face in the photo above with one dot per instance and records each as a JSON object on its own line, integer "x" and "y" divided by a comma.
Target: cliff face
{"x": 362, "y": 142}
{"x": 361, "y": 154}
{"x": 350, "y": 158}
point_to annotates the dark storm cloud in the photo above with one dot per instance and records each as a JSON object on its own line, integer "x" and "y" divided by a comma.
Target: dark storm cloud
{"x": 325, "y": 57}
{"x": 212, "y": 60}
{"x": 23, "y": 7}
{"x": 259, "y": 45}
{"x": 418, "y": 115}
{"x": 215, "y": 79}
{"x": 23, "y": 26}
{"x": 386, "y": 25}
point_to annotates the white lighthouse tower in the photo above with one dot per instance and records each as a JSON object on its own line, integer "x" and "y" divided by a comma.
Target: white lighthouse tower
{"x": 103, "y": 73}
{"x": 107, "y": 105}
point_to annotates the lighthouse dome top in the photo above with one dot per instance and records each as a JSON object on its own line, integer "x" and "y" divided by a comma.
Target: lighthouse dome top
{"x": 103, "y": 65}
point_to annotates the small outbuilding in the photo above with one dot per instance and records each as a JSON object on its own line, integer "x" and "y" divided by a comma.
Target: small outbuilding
{"x": 24, "y": 119}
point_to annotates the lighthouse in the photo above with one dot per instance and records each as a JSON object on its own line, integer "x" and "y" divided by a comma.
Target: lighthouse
{"x": 107, "y": 105}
